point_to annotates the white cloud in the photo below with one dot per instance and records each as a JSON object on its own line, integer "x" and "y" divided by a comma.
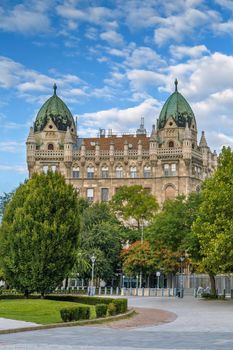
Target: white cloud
{"x": 14, "y": 168}
{"x": 144, "y": 57}
{"x": 112, "y": 37}
{"x": 179, "y": 52}
{"x": 11, "y": 146}
{"x": 120, "y": 120}
{"x": 228, "y": 4}
{"x": 24, "y": 19}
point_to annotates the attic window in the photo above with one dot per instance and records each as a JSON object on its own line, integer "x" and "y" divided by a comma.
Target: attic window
{"x": 170, "y": 123}
{"x": 50, "y": 147}
{"x": 171, "y": 144}
{"x": 50, "y": 126}
{"x": 72, "y": 129}
{"x": 193, "y": 126}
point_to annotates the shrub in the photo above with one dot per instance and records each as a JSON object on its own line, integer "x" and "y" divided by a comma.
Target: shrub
{"x": 81, "y": 299}
{"x": 111, "y": 309}
{"x": 101, "y": 310}
{"x": 121, "y": 305}
{"x": 209, "y": 296}
{"x": 75, "y": 313}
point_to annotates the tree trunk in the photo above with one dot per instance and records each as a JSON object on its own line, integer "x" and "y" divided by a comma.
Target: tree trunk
{"x": 66, "y": 282}
{"x": 212, "y": 284}
{"x": 26, "y": 294}
{"x": 42, "y": 295}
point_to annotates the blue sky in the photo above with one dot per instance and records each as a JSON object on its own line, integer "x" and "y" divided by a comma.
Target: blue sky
{"x": 113, "y": 62}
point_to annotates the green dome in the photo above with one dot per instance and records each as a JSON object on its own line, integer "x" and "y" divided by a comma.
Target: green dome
{"x": 177, "y": 107}
{"x": 57, "y": 110}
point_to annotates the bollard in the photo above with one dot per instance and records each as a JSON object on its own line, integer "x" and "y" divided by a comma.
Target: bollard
{"x": 117, "y": 290}
{"x": 99, "y": 290}
{"x": 130, "y": 291}
{"x": 111, "y": 291}
{"x": 174, "y": 292}
{"x": 142, "y": 292}
{"x": 105, "y": 290}
{"x": 162, "y": 292}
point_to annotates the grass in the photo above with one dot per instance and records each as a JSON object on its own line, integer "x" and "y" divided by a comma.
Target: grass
{"x": 36, "y": 310}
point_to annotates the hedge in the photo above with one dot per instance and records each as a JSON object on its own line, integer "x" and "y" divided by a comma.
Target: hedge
{"x": 121, "y": 305}
{"x": 81, "y": 299}
{"x": 75, "y": 313}
{"x": 101, "y": 310}
{"x": 111, "y": 309}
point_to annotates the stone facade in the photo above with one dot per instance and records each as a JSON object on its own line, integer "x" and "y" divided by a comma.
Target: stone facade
{"x": 168, "y": 162}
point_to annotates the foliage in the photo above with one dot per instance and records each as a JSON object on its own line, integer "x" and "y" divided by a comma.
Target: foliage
{"x": 40, "y": 311}
{"x": 70, "y": 314}
{"x": 4, "y": 200}
{"x": 81, "y": 299}
{"x": 148, "y": 258}
{"x": 101, "y": 310}
{"x": 172, "y": 226}
{"x": 134, "y": 202}
{"x": 39, "y": 233}
{"x": 111, "y": 309}
{"x": 121, "y": 305}
{"x": 102, "y": 235}
{"x": 214, "y": 224}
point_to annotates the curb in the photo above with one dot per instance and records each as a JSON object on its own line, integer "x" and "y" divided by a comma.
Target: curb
{"x": 69, "y": 324}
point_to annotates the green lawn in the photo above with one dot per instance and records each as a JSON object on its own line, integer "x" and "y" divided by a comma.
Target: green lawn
{"x": 35, "y": 310}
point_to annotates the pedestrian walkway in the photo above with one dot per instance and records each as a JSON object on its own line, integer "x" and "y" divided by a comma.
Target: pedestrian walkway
{"x": 6, "y": 323}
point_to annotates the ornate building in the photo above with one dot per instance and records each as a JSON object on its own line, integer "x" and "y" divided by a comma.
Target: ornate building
{"x": 168, "y": 162}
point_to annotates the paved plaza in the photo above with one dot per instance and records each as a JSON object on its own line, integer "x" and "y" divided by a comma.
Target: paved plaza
{"x": 199, "y": 325}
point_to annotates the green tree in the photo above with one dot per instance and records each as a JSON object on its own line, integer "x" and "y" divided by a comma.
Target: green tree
{"x": 214, "y": 224}
{"x": 39, "y": 234}
{"x": 101, "y": 234}
{"x": 172, "y": 227}
{"x": 134, "y": 202}
{"x": 4, "y": 199}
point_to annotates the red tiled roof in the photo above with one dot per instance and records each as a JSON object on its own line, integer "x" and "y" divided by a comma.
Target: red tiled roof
{"x": 118, "y": 142}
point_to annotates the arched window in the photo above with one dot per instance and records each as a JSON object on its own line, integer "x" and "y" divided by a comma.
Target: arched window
{"x": 171, "y": 144}
{"x": 147, "y": 171}
{"x": 104, "y": 171}
{"x": 119, "y": 171}
{"x": 50, "y": 147}
{"x": 170, "y": 192}
{"x": 76, "y": 172}
{"x": 90, "y": 172}
{"x": 133, "y": 171}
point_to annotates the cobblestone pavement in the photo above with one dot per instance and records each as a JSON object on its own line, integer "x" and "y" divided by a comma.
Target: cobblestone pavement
{"x": 199, "y": 325}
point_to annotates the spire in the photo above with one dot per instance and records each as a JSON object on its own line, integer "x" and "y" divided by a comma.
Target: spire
{"x": 141, "y": 130}
{"x": 68, "y": 137}
{"x": 153, "y": 134}
{"x": 176, "y": 84}
{"x": 54, "y": 88}
{"x": 31, "y": 137}
{"x": 203, "y": 142}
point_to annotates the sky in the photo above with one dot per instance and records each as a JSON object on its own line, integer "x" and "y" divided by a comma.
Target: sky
{"x": 114, "y": 62}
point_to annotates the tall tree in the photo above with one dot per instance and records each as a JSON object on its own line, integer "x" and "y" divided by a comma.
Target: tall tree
{"x": 39, "y": 233}
{"x": 214, "y": 224}
{"x": 134, "y": 202}
{"x": 4, "y": 199}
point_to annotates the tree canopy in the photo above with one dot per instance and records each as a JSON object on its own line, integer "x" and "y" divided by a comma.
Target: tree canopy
{"x": 39, "y": 233}
{"x": 134, "y": 202}
{"x": 214, "y": 224}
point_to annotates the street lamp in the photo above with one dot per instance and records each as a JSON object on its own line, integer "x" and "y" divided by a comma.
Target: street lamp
{"x": 182, "y": 258}
{"x": 158, "y": 275}
{"x": 93, "y": 259}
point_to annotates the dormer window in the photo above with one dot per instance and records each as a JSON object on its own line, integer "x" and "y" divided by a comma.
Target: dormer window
{"x": 50, "y": 126}
{"x": 50, "y": 147}
{"x": 171, "y": 144}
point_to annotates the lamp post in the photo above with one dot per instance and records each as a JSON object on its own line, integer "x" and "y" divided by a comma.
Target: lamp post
{"x": 158, "y": 275}
{"x": 142, "y": 240}
{"x": 181, "y": 273}
{"x": 93, "y": 259}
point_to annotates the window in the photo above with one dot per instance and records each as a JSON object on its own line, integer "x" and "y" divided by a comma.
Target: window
{"x": 170, "y": 170}
{"x": 147, "y": 171}
{"x": 166, "y": 169}
{"x": 104, "y": 194}
{"x": 170, "y": 192}
{"x": 53, "y": 168}
{"x": 90, "y": 194}
{"x": 50, "y": 147}
{"x": 133, "y": 171}
{"x": 90, "y": 172}
{"x": 45, "y": 169}
{"x": 76, "y": 173}
{"x": 171, "y": 144}
{"x": 104, "y": 172}
{"x": 173, "y": 169}
{"x": 119, "y": 171}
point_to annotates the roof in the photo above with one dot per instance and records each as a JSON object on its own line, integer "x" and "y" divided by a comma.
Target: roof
{"x": 104, "y": 142}
{"x": 178, "y": 108}
{"x": 57, "y": 110}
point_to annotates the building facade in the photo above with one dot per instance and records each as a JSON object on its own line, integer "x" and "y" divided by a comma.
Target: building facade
{"x": 168, "y": 162}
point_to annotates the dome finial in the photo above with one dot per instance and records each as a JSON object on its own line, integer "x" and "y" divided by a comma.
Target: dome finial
{"x": 176, "y": 84}
{"x": 54, "y": 88}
